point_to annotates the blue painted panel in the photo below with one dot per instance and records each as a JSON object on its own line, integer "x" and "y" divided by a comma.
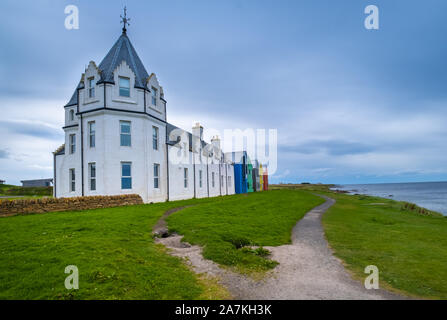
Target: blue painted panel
{"x": 240, "y": 178}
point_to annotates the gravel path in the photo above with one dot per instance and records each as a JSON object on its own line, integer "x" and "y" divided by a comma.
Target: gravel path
{"x": 307, "y": 268}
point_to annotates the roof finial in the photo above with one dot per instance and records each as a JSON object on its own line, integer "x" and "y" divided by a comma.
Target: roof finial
{"x": 125, "y": 20}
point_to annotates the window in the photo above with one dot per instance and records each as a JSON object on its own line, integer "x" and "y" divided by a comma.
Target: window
{"x": 126, "y": 175}
{"x": 91, "y": 133}
{"x": 72, "y": 115}
{"x": 156, "y": 175}
{"x": 154, "y": 96}
{"x": 212, "y": 179}
{"x": 72, "y": 180}
{"x": 125, "y": 135}
{"x": 200, "y": 178}
{"x": 185, "y": 176}
{"x": 155, "y": 138}
{"x": 92, "y": 175}
{"x": 229, "y": 181}
{"x": 91, "y": 87}
{"x": 124, "y": 87}
{"x": 222, "y": 181}
{"x": 72, "y": 139}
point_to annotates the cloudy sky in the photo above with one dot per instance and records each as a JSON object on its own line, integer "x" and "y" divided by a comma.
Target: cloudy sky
{"x": 350, "y": 105}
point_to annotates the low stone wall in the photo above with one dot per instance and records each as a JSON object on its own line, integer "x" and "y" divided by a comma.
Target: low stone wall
{"x": 8, "y": 208}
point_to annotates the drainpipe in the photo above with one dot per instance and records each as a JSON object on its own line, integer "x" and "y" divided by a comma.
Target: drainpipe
{"x": 226, "y": 176}
{"x": 207, "y": 177}
{"x": 194, "y": 171}
{"x": 144, "y": 93}
{"x": 105, "y": 85}
{"x": 82, "y": 155}
{"x": 82, "y": 148}
{"x": 167, "y": 167}
{"x": 220, "y": 180}
{"x": 54, "y": 174}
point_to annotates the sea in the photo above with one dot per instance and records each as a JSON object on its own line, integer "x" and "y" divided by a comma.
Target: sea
{"x": 429, "y": 195}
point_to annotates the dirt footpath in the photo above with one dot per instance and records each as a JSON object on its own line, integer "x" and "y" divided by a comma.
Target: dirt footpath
{"x": 307, "y": 268}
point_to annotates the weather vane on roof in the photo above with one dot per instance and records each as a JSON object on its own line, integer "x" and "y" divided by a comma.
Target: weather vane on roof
{"x": 125, "y": 20}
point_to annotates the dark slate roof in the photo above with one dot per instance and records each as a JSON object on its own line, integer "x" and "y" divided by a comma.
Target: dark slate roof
{"x": 169, "y": 129}
{"x": 38, "y": 180}
{"x": 60, "y": 150}
{"x": 121, "y": 50}
{"x": 74, "y": 98}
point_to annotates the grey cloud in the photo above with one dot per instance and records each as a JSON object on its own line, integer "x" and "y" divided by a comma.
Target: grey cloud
{"x": 331, "y": 147}
{"x": 34, "y": 129}
{"x": 4, "y": 154}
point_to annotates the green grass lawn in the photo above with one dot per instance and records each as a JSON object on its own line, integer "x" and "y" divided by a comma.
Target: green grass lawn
{"x": 117, "y": 258}
{"x": 409, "y": 249}
{"x": 112, "y": 248}
{"x": 260, "y": 219}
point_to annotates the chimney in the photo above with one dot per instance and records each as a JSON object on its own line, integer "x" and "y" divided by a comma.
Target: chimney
{"x": 197, "y": 131}
{"x": 197, "y": 137}
{"x": 216, "y": 142}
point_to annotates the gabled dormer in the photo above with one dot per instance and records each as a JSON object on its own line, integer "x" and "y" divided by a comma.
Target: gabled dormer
{"x": 124, "y": 90}
{"x": 155, "y": 101}
{"x": 91, "y": 77}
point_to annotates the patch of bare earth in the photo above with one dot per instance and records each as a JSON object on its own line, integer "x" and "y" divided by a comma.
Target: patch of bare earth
{"x": 307, "y": 268}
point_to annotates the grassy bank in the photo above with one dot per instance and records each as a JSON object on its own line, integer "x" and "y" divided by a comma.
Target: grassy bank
{"x": 409, "y": 248}
{"x": 112, "y": 248}
{"x": 17, "y": 192}
{"x": 256, "y": 219}
{"x": 407, "y": 243}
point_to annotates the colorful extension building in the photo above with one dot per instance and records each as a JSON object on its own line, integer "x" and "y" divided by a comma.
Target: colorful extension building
{"x": 248, "y": 176}
{"x": 250, "y": 182}
{"x": 240, "y": 160}
{"x": 265, "y": 179}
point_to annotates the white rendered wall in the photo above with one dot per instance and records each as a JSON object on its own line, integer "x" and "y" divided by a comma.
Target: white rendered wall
{"x": 178, "y": 161}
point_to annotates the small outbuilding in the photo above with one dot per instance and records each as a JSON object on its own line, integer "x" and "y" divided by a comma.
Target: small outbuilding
{"x": 239, "y": 159}
{"x": 2, "y": 181}
{"x": 250, "y": 182}
{"x": 37, "y": 183}
{"x": 265, "y": 179}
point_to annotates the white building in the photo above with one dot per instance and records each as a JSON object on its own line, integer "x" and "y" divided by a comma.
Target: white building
{"x": 118, "y": 141}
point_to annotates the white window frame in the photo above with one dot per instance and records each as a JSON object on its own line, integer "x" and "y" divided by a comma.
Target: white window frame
{"x": 126, "y": 177}
{"x": 126, "y": 133}
{"x": 72, "y": 143}
{"x": 72, "y": 176}
{"x": 91, "y": 177}
{"x": 91, "y": 87}
{"x": 154, "y": 96}
{"x": 156, "y": 176}
{"x": 155, "y": 135}
{"x": 71, "y": 115}
{"x": 92, "y": 134}
{"x": 125, "y": 88}
{"x": 185, "y": 178}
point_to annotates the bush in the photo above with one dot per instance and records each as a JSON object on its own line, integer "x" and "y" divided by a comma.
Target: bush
{"x": 411, "y": 207}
